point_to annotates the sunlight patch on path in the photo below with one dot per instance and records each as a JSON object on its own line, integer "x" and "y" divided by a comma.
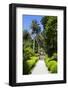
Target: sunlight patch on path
{"x": 40, "y": 68}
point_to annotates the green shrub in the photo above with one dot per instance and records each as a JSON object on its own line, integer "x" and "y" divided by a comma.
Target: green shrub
{"x": 28, "y": 52}
{"x": 53, "y": 68}
{"x": 29, "y": 64}
{"x": 54, "y": 57}
{"x": 25, "y": 68}
{"x": 47, "y": 59}
{"x": 51, "y": 63}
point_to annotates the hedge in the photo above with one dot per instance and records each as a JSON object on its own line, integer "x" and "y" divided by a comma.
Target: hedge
{"x": 29, "y": 64}
{"x": 51, "y": 63}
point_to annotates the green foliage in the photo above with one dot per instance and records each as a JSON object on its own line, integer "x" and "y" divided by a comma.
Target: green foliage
{"x": 28, "y": 53}
{"x": 32, "y": 61}
{"x": 50, "y": 34}
{"x": 47, "y": 40}
{"x": 26, "y": 35}
{"x": 51, "y": 63}
{"x": 44, "y": 21}
{"x": 41, "y": 41}
{"x": 36, "y": 46}
{"x": 46, "y": 59}
{"x": 27, "y": 45}
{"x": 54, "y": 57}
{"x": 25, "y": 68}
{"x": 29, "y": 57}
{"x": 53, "y": 68}
{"x": 35, "y": 27}
{"x": 29, "y": 64}
{"x": 35, "y": 31}
{"x": 27, "y": 41}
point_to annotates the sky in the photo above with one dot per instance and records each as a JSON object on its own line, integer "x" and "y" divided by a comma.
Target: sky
{"x": 27, "y": 19}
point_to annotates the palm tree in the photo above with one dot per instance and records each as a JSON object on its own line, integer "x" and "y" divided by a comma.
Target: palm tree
{"x": 35, "y": 31}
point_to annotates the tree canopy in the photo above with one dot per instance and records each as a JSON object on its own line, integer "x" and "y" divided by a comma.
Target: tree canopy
{"x": 35, "y": 27}
{"x": 50, "y": 33}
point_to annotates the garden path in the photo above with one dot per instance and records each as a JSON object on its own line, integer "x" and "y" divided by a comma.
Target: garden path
{"x": 40, "y": 67}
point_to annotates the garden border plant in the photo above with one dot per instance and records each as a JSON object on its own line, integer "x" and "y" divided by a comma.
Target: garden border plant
{"x": 51, "y": 63}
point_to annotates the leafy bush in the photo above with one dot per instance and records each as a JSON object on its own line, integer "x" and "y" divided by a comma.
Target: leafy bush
{"x": 47, "y": 59}
{"x": 53, "y": 68}
{"x": 51, "y": 63}
{"x": 32, "y": 61}
{"x": 29, "y": 64}
{"x": 54, "y": 57}
{"x": 25, "y": 68}
{"x": 28, "y": 53}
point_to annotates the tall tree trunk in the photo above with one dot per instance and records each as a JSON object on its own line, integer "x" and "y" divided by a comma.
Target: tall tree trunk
{"x": 34, "y": 45}
{"x": 38, "y": 48}
{"x": 37, "y": 45}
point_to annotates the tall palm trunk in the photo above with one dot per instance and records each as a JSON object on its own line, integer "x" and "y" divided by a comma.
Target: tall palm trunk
{"x": 34, "y": 45}
{"x": 38, "y": 47}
